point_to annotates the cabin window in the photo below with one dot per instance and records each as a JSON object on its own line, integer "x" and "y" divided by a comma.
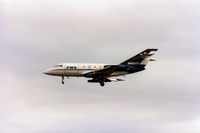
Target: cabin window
{"x": 83, "y": 66}
{"x": 89, "y": 66}
{"x": 94, "y": 66}
{"x": 71, "y": 67}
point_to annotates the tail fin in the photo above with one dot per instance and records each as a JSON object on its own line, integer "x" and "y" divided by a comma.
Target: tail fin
{"x": 140, "y": 59}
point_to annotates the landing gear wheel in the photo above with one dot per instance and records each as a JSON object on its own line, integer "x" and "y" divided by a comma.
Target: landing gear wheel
{"x": 63, "y": 80}
{"x": 102, "y": 83}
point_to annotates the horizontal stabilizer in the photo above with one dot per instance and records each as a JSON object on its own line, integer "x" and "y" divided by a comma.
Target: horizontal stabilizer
{"x": 152, "y": 60}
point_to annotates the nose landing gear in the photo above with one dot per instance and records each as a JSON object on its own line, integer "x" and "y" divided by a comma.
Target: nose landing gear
{"x": 63, "y": 80}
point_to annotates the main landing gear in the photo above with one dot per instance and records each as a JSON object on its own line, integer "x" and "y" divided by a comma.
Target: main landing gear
{"x": 63, "y": 80}
{"x": 102, "y": 83}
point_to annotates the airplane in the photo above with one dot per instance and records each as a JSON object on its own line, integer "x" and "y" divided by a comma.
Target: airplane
{"x": 102, "y": 73}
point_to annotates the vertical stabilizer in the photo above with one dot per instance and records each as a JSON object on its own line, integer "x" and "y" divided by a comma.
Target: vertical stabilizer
{"x": 140, "y": 59}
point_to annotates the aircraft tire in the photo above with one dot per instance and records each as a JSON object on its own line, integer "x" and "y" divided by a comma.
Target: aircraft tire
{"x": 102, "y": 84}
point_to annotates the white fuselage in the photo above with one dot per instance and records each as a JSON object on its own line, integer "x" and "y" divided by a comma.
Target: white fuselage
{"x": 77, "y": 69}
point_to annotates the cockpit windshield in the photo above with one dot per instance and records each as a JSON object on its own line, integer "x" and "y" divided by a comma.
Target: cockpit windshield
{"x": 58, "y": 66}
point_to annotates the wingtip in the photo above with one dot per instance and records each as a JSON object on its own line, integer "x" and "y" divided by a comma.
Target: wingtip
{"x": 154, "y": 49}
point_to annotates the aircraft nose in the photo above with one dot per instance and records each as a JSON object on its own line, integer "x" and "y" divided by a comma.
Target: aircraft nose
{"x": 47, "y": 71}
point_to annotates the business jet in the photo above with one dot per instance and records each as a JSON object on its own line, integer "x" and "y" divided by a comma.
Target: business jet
{"x": 102, "y": 73}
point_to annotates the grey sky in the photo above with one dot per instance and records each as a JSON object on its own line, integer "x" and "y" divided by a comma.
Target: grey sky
{"x": 37, "y": 34}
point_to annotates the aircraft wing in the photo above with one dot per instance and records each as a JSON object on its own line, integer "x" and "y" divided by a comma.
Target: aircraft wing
{"x": 102, "y": 72}
{"x": 108, "y": 69}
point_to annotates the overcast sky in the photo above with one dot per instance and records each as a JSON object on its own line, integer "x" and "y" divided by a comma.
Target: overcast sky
{"x": 37, "y": 34}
